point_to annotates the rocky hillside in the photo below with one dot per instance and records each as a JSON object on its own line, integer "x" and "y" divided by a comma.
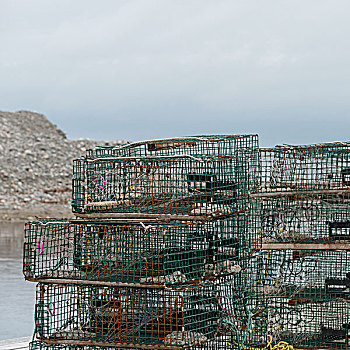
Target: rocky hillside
{"x": 36, "y": 166}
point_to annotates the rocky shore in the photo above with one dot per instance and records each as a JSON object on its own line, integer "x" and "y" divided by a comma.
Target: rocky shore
{"x": 36, "y": 166}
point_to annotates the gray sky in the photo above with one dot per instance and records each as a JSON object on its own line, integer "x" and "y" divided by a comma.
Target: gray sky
{"x": 140, "y": 69}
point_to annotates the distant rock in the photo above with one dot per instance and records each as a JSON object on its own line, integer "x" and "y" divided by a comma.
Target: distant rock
{"x": 36, "y": 163}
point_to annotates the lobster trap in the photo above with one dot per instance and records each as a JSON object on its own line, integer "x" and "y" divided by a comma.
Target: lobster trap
{"x": 193, "y": 145}
{"x": 135, "y": 253}
{"x": 324, "y": 218}
{"x": 304, "y": 170}
{"x": 179, "y": 185}
{"x": 306, "y": 276}
{"x": 303, "y": 195}
{"x": 114, "y": 316}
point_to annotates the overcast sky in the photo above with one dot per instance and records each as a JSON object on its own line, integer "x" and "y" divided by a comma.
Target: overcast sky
{"x": 141, "y": 69}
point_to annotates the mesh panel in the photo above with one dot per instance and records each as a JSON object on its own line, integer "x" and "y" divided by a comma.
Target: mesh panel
{"x": 304, "y": 219}
{"x": 309, "y": 170}
{"x": 135, "y": 253}
{"x": 178, "y": 186}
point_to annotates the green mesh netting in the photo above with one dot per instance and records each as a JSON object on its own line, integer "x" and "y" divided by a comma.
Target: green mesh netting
{"x": 206, "y": 186}
{"x": 151, "y": 253}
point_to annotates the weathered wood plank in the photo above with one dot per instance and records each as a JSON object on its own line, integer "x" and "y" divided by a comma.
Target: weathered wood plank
{"x": 15, "y": 344}
{"x": 299, "y": 193}
{"x": 121, "y": 345}
{"x": 96, "y": 283}
{"x": 108, "y": 220}
{"x": 305, "y": 246}
{"x": 141, "y": 216}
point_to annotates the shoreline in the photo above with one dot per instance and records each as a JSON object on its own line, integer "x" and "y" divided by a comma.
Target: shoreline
{"x": 35, "y": 211}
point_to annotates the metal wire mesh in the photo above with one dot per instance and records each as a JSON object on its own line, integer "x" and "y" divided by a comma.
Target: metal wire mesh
{"x": 303, "y": 196}
{"x": 304, "y": 170}
{"x": 93, "y": 315}
{"x": 324, "y": 218}
{"x": 197, "y": 176}
{"x": 164, "y": 185}
{"x": 153, "y": 254}
{"x": 192, "y": 145}
{"x": 308, "y": 275}
{"x": 317, "y": 325}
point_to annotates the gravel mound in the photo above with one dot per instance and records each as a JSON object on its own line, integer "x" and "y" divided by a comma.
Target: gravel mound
{"x": 36, "y": 165}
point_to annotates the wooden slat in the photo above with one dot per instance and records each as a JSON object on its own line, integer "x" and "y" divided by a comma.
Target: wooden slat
{"x": 140, "y": 216}
{"x": 114, "y": 345}
{"x": 96, "y": 283}
{"x": 15, "y": 344}
{"x": 108, "y": 220}
{"x": 299, "y": 193}
{"x": 305, "y": 246}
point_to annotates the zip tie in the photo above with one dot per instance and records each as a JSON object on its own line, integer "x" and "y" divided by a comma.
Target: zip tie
{"x": 98, "y": 183}
{"x": 40, "y": 251}
{"x": 51, "y": 311}
{"x": 146, "y": 228}
{"x": 228, "y": 303}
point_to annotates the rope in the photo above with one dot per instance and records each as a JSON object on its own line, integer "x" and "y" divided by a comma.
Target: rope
{"x": 248, "y": 330}
{"x": 282, "y": 345}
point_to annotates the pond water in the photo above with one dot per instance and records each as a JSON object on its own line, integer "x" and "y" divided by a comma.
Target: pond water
{"x": 17, "y": 296}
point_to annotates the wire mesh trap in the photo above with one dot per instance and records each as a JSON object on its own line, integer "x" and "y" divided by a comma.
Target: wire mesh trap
{"x": 92, "y": 315}
{"x": 192, "y": 145}
{"x": 304, "y": 194}
{"x": 307, "y": 276}
{"x": 303, "y": 219}
{"x": 299, "y": 170}
{"x": 156, "y": 254}
{"x": 238, "y": 299}
{"x": 179, "y": 185}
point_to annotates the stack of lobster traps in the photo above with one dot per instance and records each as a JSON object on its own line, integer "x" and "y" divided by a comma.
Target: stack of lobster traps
{"x": 299, "y": 289}
{"x": 160, "y": 239}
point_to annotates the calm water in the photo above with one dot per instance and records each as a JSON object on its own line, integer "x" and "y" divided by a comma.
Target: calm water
{"x": 17, "y": 297}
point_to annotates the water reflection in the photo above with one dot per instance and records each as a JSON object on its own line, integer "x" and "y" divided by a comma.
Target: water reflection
{"x": 17, "y": 297}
